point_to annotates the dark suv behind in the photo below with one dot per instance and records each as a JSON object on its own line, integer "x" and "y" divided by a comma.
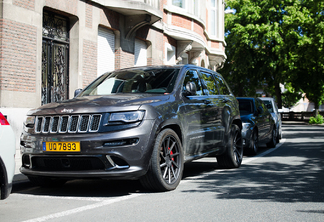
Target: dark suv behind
{"x": 137, "y": 123}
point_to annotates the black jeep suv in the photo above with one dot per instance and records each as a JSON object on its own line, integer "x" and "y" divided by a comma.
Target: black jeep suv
{"x": 137, "y": 123}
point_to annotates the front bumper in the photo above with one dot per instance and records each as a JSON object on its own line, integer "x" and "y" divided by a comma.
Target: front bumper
{"x": 247, "y": 137}
{"x": 102, "y": 155}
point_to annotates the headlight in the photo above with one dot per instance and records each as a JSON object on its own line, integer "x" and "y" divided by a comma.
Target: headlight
{"x": 126, "y": 117}
{"x": 30, "y": 120}
{"x": 29, "y": 123}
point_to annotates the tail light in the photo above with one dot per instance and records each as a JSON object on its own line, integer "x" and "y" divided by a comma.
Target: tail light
{"x": 3, "y": 120}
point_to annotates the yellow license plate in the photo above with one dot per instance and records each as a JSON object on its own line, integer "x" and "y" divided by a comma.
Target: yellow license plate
{"x": 61, "y": 146}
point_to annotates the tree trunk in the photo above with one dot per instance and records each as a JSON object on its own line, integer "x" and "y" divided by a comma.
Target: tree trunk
{"x": 278, "y": 95}
{"x": 316, "y": 103}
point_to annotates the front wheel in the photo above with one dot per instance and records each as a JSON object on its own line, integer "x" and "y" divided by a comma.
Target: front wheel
{"x": 233, "y": 156}
{"x": 254, "y": 143}
{"x": 166, "y": 165}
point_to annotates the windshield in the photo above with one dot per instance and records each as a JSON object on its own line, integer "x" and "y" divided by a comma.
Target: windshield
{"x": 246, "y": 107}
{"x": 133, "y": 81}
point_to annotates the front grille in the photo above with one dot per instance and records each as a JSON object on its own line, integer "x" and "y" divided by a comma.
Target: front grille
{"x": 67, "y": 163}
{"x": 68, "y": 124}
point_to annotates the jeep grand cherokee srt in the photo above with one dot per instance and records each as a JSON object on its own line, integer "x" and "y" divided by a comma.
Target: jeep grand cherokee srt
{"x": 137, "y": 123}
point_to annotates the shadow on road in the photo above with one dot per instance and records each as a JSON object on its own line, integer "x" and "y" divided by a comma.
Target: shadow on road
{"x": 83, "y": 188}
{"x": 293, "y": 173}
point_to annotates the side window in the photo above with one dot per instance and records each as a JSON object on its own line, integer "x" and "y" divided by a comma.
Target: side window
{"x": 222, "y": 86}
{"x": 209, "y": 84}
{"x": 260, "y": 106}
{"x": 192, "y": 76}
{"x": 264, "y": 107}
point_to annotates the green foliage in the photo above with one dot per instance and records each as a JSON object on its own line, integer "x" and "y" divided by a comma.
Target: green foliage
{"x": 309, "y": 74}
{"x": 290, "y": 97}
{"x": 316, "y": 120}
{"x": 275, "y": 41}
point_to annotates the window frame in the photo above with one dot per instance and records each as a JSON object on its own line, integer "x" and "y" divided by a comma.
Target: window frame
{"x": 205, "y": 87}
{"x": 199, "y": 80}
{"x": 213, "y": 21}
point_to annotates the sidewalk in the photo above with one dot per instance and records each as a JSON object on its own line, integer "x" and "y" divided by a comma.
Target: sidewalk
{"x": 299, "y": 122}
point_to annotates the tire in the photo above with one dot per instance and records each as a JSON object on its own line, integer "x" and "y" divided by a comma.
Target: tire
{"x": 233, "y": 156}
{"x": 166, "y": 165}
{"x": 253, "y": 149}
{"x": 273, "y": 141}
{"x": 278, "y": 136}
{"x": 46, "y": 181}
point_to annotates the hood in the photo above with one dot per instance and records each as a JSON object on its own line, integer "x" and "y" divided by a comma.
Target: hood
{"x": 98, "y": 104}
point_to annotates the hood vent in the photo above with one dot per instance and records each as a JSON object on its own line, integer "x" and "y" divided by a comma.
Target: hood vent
{"x": 68, "y": 124}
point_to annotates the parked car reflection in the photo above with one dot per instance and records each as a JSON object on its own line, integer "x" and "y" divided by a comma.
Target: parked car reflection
{"x": 273, "y": 109}
{"x": 258, "y": 124}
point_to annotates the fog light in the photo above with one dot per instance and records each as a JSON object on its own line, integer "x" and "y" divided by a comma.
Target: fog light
{"x": 115, "y": 143}
{"x": 122, "y": 142}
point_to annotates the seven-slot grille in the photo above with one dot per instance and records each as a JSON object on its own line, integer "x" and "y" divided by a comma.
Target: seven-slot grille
{"x": 67, "y": 124}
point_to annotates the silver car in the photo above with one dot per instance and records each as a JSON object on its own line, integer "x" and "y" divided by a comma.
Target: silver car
{"x": 273, "y": 108}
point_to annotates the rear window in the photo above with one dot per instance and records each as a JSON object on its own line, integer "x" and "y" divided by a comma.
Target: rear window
{"x": 246, "y": 107}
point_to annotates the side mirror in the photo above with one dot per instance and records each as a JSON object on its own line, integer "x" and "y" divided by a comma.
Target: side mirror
{"x": 191, "y": 89}
{"x": 77, "y": 92}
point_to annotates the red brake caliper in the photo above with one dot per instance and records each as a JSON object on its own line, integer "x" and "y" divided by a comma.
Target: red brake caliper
{"x": 171, "y": 153}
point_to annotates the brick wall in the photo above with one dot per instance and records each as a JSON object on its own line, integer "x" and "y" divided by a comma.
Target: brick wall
{"x": 27, "y": 4}
{"x": 123, "y": 59}
{"x": 17, "y": 56}
{"x": 158, "y": 49}
{"x": 89, "y": 62}
{"x": 69, "y": 6}
{"x": 165, "y": 17}
{"x": 215, "y": 44}
{"x": 181, "y": 21}
{"x": 199, "y": 29}
{"x": 88, "y": 16}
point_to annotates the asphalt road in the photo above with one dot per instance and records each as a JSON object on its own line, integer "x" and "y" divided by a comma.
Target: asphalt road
{"x": 285, "y": 183}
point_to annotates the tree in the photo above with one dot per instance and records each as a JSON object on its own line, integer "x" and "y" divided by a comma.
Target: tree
{"x": 290, "y": 97}
{"x": 266, "y": 41}
{"x": 308, "y": 75}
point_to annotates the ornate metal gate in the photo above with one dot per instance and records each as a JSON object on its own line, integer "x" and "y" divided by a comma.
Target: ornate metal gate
{"x": 55, "y": 78}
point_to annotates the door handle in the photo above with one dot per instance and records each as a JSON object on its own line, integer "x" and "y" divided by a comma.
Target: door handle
{"x": 206, "y": 101}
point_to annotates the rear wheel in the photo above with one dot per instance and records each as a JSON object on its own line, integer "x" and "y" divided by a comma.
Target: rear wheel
{"x": 232, "y": 158}
{"x": 254, "y": 143}
{"x": 46, "y": 181}
{"x": 273, "y": 141}
{"x": 166, "y": 165}
{"x": 278, "y": 136}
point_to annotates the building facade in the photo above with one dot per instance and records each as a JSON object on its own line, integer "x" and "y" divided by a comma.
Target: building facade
{"x": 50, "y": 48}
